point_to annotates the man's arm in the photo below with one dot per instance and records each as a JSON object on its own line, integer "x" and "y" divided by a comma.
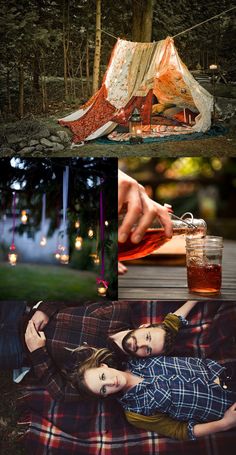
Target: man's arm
{"x": 185, "y": 309}
{"x": 44, "y": 368}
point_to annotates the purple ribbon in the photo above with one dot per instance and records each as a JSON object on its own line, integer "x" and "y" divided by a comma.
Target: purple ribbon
{"x": 14, "y": 220}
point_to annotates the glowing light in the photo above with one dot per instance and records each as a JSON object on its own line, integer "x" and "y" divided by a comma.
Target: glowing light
{"x": 77, "y": 224}
{"x": 78, "y": 243}
{"x": 43, "y": 241}
{"x": 64, "y": 256}
{"x": 12, "y": 255}
{"x": 90, "y": 233}
{"x": 106, "y": 223}
{"x": 102, "y": 290}
{"x": 24, "y": 217}
{"x": 96, "y": 259}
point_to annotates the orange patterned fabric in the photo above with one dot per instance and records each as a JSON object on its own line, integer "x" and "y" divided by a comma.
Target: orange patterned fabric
{"x": 144, "y": 105}
{"x": 100, "y": 113}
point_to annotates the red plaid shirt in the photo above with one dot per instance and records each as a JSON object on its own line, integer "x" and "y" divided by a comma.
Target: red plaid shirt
{"x": 70, "y": 327}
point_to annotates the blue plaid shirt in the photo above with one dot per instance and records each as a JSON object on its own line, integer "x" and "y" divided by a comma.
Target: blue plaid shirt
{"x": 182, "y": 387}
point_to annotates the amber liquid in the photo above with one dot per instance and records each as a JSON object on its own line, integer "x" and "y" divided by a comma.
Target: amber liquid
{"x": 204, "y": 279}
{"x": 152, "y": 240}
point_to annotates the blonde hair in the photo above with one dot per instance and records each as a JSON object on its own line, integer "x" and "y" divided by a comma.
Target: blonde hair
{"x": 93, "y": 358}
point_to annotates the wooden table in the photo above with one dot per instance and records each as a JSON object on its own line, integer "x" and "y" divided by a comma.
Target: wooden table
{"x": 168, "y": 282}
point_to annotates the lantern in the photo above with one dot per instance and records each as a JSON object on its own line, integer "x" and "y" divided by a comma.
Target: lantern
{"x": 102, "y": 290}
{"x": 90, "y": 233}
{"x": 78, "y": 243}
{"x": 43, "y": 241}
{"x": 77, "y": 224}
{"x": 64, "y": 256}
{"x": 24, "y": 217}
{"x": 135, "y": 127}
{"x": 12, "y": 255}
{"x": 95, "y": 257}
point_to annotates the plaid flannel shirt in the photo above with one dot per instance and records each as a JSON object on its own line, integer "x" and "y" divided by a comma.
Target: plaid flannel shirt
{"x": 71, "y": 327}
{"x": 181, "y": 387}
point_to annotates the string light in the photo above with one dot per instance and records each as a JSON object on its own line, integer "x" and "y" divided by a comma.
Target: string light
{"x": 77, "y": 224}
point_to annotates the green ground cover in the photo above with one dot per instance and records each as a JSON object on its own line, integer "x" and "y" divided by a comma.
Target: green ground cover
{"x": 43, "y": 282}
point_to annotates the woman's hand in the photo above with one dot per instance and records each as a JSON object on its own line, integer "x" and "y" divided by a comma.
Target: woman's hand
{"x": 140, "y": 210}
{"x": 34, "y": 340}
{"x": 40, "y": 320}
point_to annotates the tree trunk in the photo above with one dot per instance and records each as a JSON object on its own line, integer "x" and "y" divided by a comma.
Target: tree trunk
{"x": 87, "y": 69}
{"x": 36, "y": 75}
{"x": 9, "y": 106}
{"x": 21, "y": 90}
{"x": 97, "y": 54}
{"x": 142, "y": 21}
{"x": 147, "y": 22}
{"x": 66, "y": 41}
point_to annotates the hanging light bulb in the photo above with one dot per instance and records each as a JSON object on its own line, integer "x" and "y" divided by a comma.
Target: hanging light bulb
{"x": 90, "y": 233}
{"x": 12, "y": 255}
{"x": 77, "y": 224}
{"x": 106, "y": 223}
{"x": 78, "y": 243}
{"x": 57, "y": 254}
{"x": 43, "y": 241}
{"x": 24, "y": 217}
{"x": 64, "y": 256}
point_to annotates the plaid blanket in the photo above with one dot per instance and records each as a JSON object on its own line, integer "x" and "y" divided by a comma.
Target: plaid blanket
{"x": 92, "y": 427}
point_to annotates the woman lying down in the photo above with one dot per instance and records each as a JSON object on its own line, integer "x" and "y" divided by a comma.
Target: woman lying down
{"x": 178, "y": 397}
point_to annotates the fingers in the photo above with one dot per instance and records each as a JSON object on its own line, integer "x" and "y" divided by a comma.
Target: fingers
{"x": 122, "y": 269}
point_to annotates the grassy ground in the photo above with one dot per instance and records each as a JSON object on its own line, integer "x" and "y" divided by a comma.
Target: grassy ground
{"x": 10, "y": 434}
{"x": 38, "y": 282}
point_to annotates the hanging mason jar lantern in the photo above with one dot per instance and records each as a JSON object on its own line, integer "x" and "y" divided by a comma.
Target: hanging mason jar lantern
{"x": 102, "y": 290}
{"x": 43, "y": 241}
{"x": 78, "y": 243}
{"x": 24, "y": 217}
{"x": 95, "y": 258}
{"x": 64, "y": 256}
{"x": 77, "y": 224}
{"x": 90, "y": 233}
{"x": 12, "y": 255}
{"x": 135, "y": 127}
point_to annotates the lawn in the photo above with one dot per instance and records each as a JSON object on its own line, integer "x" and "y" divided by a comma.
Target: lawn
{"x": 33, "y": 282}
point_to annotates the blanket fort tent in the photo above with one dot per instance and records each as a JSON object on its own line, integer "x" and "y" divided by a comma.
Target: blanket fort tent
{"x": 137, "y": 73}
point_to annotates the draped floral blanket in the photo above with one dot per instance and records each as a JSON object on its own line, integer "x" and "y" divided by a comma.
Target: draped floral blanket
{"x": 91, "y": 427}
{"x": 135, "y": 72}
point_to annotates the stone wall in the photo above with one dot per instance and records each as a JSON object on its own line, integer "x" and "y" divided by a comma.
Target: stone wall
{"x": 32, "y": 137}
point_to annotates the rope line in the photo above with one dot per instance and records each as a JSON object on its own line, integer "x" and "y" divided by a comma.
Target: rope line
{"x": 184, "y": 31}
{"x": 204, "y": 22}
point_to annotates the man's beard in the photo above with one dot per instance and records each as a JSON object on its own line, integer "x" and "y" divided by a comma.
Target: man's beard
{"x": 125, "y": 343}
